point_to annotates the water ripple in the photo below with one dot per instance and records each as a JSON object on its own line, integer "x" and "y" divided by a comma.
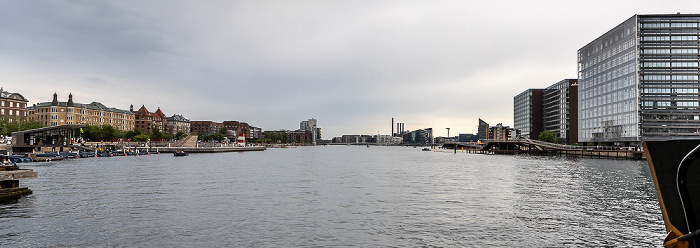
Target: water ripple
{"x": 335, "y": 196}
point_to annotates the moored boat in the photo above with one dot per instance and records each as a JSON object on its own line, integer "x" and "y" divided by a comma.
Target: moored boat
{"x": 675, "y": 168}
{"x": 180, "y": 154}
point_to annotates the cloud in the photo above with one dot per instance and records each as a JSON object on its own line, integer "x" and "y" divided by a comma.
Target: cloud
{"x": 352, "y": 65}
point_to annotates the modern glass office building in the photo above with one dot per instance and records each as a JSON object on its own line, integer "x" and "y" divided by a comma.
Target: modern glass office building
{"x": 560, "y": 110}
{"x": 527, "y": 113}
{"x": 639, "y": 81}
{"x": 551, "y": 109}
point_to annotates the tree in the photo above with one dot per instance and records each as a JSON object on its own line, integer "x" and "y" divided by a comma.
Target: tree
{"x": 548, "y": 136}
{"x": 91, "y": 132}
{"x": 142, "y": 137}
{"x": 156, "y": 133}
{"x": 180, "y": 135}
{"x": 109, "y": 132}
{"x": 276, "y": 137}
{"x": 133, "y": 133}
{"x": 8, "y": 127}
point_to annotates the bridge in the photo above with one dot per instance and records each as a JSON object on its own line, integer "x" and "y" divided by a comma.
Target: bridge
{"x": 536, "y": 147}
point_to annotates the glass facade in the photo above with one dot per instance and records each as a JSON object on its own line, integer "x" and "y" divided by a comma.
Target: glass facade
{"x": 639, "y": 81}
{"x": 668, "y": 62}
{"x": 557, "y": 109}
{"x": 527, "y": 113}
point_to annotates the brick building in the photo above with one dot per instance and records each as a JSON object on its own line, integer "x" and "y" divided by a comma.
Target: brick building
{"x": 145, "y": 120}
{"x": 237, "y": 128}
{"x": 301, "y": 137}
{"x": 206, "y": 127}
{"x": 13, "y": 106}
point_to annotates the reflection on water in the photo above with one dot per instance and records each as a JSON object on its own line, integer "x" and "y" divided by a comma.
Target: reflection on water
{"x": 336, "y": 196}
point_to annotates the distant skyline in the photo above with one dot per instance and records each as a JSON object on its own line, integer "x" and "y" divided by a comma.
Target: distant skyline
{"x": 351, "y": 65}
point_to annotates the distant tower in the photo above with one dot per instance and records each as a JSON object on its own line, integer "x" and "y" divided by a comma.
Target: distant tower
{"x": 70, "y": 100}
{"x": 55, "y": 99}
{"x": 392, "y": 126}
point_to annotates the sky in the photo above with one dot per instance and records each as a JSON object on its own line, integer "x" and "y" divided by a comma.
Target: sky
{"x": 351, "y": 65}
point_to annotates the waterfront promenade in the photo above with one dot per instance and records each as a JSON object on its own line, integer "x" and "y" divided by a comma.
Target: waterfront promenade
{"x": 535, "y": 147}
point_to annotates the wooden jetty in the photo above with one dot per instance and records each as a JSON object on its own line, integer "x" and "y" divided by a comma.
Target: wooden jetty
{"x": 534, "y": 147}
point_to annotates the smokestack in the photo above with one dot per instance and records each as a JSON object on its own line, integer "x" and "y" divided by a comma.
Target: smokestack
{"x": 392, "y": 126}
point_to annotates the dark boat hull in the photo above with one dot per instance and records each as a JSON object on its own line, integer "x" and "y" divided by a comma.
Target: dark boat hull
{"x": 664, "y": 158}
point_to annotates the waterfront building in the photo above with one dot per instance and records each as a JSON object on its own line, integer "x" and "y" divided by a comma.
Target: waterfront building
{"x": 178, "y": 123}
{"x": 13, "y": 106}
{"x": 560, "y": 110}
{"x": 419, "y": 137}
{"x": 483, "y": 131}
{"x": 145, "y": 120}
{"x": 236, "y": 127}
{"x": 384, "y": 139}
{"x": 554, "y": 108}
{"x": 255, "y": 132}
{"x": 205, "y": 127}
{"x": 527, "y": 113}
{"x": 57, "y": 113}
{"x": 355, "y": 139}
{"x": 467, "y": 137}
{"x": 639, "y": 81}
{"x": 311, "y": 126}
{"x": 503, "y": 133}
{"x": 300, "y": 137}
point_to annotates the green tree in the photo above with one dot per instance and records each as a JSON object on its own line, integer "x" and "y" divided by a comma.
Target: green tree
{"x": 276, "y": 137}
{"x": 221, "y": 135}
{"x": 8, "y": 127}
{"x": 109, "y": 132}
{"x": 133, "y": 133}
{"x": 142, "y": 137}
{"x": 155, "y": 132}
{"x": 180, "y": 135}
{"x": 91, "y": 132}
{"x": 548, "y": 136}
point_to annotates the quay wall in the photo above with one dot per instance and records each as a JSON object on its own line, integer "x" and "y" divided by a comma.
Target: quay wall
{"x": 611, "y": 154}
{"x": 202, "y": 149}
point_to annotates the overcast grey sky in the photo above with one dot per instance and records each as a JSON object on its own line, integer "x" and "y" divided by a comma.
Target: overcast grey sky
{"x": 352, "y": 65}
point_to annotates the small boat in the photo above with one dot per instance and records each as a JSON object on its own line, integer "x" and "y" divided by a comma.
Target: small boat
{"x": 426, "y": 149}
{"x": 180, "y": 154}
{"x": 675, "y": 168}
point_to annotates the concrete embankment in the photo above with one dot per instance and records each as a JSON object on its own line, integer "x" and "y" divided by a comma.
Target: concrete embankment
{"x": 203, "y": 149}
{"x": 9, "y": 182}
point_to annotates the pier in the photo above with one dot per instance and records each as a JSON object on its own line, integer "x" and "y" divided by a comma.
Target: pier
{"x": 9, "y": 182}
{"x": 535, "y": 147}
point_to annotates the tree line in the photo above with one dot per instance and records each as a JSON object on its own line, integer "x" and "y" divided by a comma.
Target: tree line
{"x": 9, "y": 126}
{"x": 108, "y": 132}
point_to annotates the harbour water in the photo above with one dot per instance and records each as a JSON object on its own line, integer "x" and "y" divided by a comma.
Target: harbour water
{"x": 340, "y": 196}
